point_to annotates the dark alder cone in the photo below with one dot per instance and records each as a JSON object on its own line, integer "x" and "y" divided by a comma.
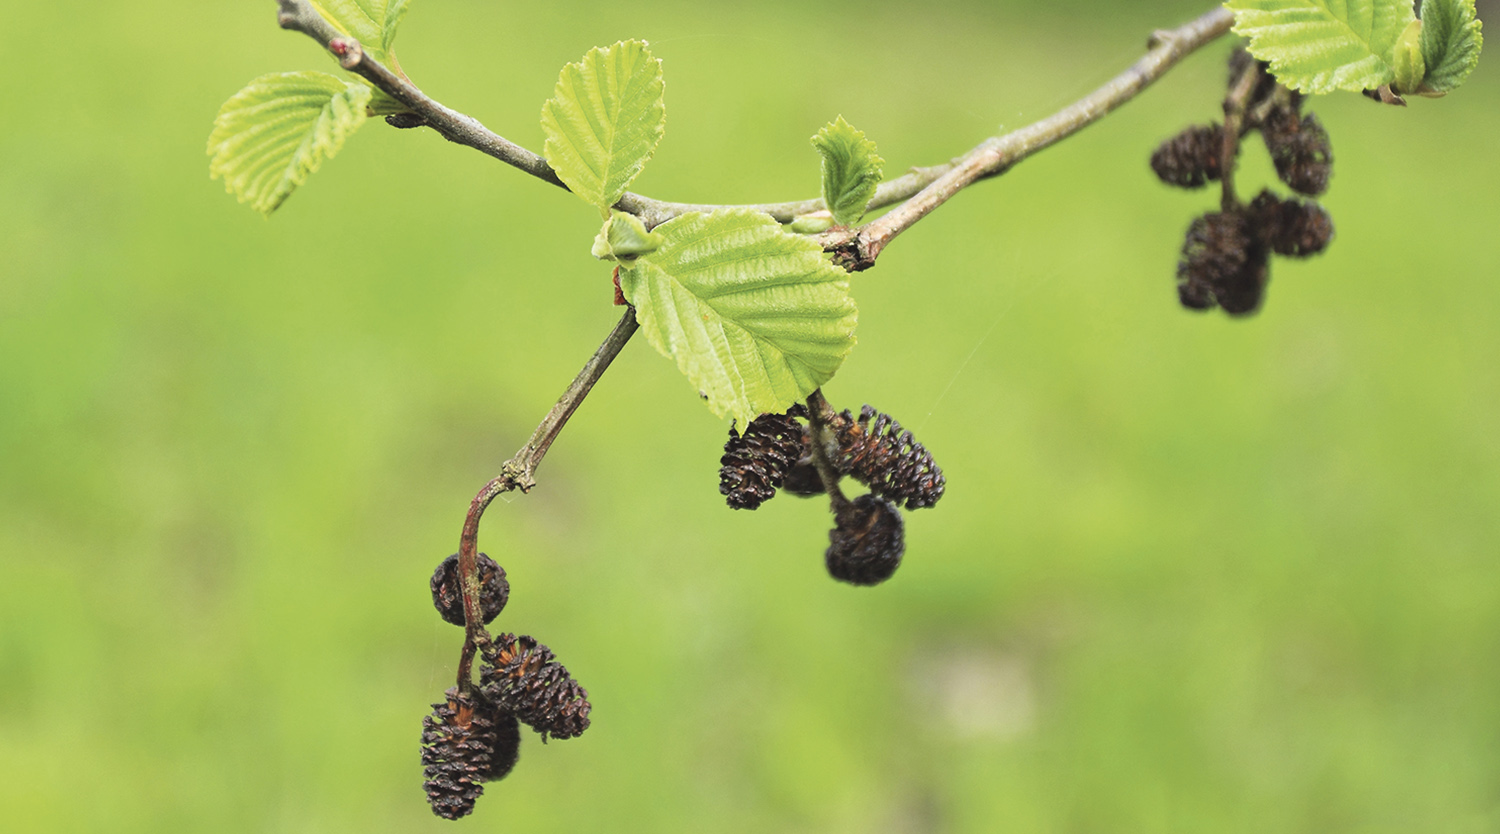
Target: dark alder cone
{"x": 755, "y": 463}
{"x": 1222, "y": 260}
{"x": 1191, "y": 158}
{"x": 507, "y": 746}
{"x": 878, "y": 453}
{"x": 1300, "y": 149}
{"x": 1243, "y": 294}
{"x": 459, "y": 742}
{"x": 447, "y": 589}
{"x": 803, "y": 479}
{"x": 522, "y": 676}
{"x": 1195, "y": 296}
{"x": 866, "y": 545}
{"x": 1294, "y": 228}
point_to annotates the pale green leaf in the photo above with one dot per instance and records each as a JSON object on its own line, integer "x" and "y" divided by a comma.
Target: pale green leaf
{"x": 755, "y": 317}
{"x": 1318, "y": 46}
{"x": 811, "y": 224}
{"x": 269, "y": 137}
{"x": 371, "y": 22}
{"x": 624, "y": 238}
{"x": 1407, "y": 59}
{"x": 851, "y": 170}
{"x": 604, "y": 120}
{"x": 1451, "y": 41}
{"x": 395, "y": 10}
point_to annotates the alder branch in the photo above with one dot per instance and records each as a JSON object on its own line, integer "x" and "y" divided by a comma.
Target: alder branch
{"x": 858, "y": 249}
{"x": 300, "y": 16}
{"x": 922, "y": 189}
{"x": 520, "y": 473}
{"x": 656, "y": 212}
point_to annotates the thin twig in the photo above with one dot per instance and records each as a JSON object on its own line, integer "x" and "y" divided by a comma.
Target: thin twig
{"x": 825, "y": 447}
{"x": 655, "y": 212}
{"x": 858, "y": 250}
{"x": 923, "y": 189}
{"x": 520, "y": 473}
{"x": 1234, "y": 125}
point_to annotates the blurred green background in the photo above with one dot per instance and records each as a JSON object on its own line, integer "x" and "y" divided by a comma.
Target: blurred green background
{"x": 1192, "y": 574}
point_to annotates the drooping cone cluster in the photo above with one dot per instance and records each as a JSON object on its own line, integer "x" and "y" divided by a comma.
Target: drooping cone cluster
{"x": 867, "y": 541}
{"x": 1226, "y": 255}
{"x": 466, "y": 741}
{"x": 877, "y": 452}
{"x": 755, "y": 463}
{"x": 1225, "y": 258}
{"x": 474, "y": 737}
{"x": 447, "y": 589}
{"x": 524, "y": 677}
{"x": 874, "y": 449}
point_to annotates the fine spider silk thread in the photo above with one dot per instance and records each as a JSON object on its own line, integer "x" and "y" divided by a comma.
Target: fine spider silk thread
{"x": 1022, "y": 292}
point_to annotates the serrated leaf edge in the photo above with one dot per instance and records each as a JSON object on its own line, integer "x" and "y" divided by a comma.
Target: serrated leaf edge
{"x": 322, "y": 140}
{"x": 555, "y": 146}
{"x": 860, "y": 157}
{"x": 1438, "y": 64}
{"x": 1378, "y": 65}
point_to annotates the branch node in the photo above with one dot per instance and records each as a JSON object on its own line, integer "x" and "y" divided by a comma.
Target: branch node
{"x": 517, "y": 474}
{"x": 348, "y": 51}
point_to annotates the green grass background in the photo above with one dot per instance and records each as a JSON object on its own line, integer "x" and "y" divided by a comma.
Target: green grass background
{"x": 1192, "y": 574}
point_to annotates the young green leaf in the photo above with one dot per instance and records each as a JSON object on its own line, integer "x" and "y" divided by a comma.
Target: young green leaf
{"x": 1318, "y": 46}
{"x": 1407, "y": 59}
{"x": 754, "y": 316}
{"x": 811, "y": 224}
{"x": 269, "y": 137}
{"x": 851, "y": 170}
{"x": 1451, "y": 41}
{"x": 624, "y": 238}
{"x": 371, "y": 22}
{"x": 395, "y": 10}
{"x": 604, "y": 120}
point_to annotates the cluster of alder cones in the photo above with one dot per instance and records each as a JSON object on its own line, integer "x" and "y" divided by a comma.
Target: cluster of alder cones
{"x": 1226, "y": 256}
{"x": 776, "y": 453}
{"x": 475, "y": 737}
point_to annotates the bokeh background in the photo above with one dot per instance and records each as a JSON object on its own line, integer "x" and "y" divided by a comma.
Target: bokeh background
{"x": 1192, "y": 574}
